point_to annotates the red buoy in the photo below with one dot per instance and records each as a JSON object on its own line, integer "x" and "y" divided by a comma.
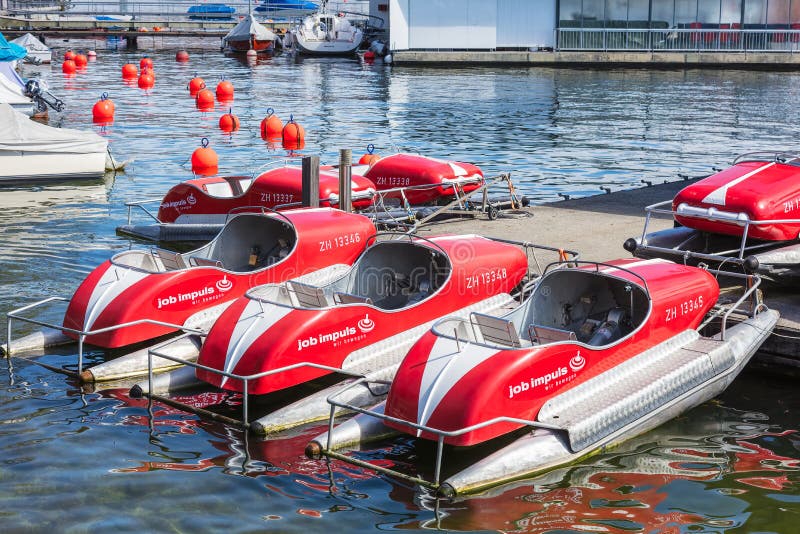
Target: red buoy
{"x": 293, "y": 133}
{"x": 68, "y": 67}
{"x": 146, "y": 81}
{"x": 129, "y": 70}
{"x": 103, "y": 110}
{"x": 182, "y": 56}
{"x": 224, "y": 91}
{"x": 80, "y": 61}
{"x": 150, "y": 71}
{"x": 369, "y": 158}
{"x": 145, "y": 62}
{"x": 229, "y": 122}
{"x": 271, "y": 125}
{"x": 204, "y": 159}
{"x": 369, "y": 56}
{"x": 204, "y": 99}
{"x": 69, "y": 54}
{"x": 195, "y": 84}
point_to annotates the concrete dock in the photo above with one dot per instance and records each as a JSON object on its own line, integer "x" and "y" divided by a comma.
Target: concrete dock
{"x": 596, "y": 226}
{"x": 783, "y": 59}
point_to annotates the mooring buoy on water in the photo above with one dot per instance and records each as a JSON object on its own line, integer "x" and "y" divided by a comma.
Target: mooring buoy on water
{"x": 229, "y": 122}
{"x": 224, "y": 91}
{"x": 205, "y": 159}
{"x": 196, "y": 84}
{"x": 129, "y": 70}
{"x": 370, "y": 157}
{"x": 293, "y": 133}
{"x": 103, "y": 110}
{"x": 271, "y": 125}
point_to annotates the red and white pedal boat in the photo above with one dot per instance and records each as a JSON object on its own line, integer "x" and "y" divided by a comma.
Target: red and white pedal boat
{"x": 208, "y": 200}
{"x": 747, "y": 215}
{"x": 283, "y": 335}
{"x": 596, "y": 355}
{"x": 141, "y": 295}
{"x": 421, "y": 180}
{"x": 195, "y": 209}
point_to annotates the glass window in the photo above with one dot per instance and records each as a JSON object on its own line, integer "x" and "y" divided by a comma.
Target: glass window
{"x": 664, "y": 13}
{"x": 755, "y": 12}
{"x": 778, "y": 12}
{"x": 617, "y": 10}
{"x": 731, "y": 12}
{"x": 570, "y": 11}
{"x": 708, "y": 11}
{"x": 685, "y": 11}
{"x": 638, "y": 10}
{"x": 593, "y": 13}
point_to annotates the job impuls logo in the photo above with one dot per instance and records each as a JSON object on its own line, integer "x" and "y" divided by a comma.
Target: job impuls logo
{"x": 191, "y": 200}
{"x": 366, "y": 324}
{"x": 224, "y": 284}
{"x": 577, "y": 362}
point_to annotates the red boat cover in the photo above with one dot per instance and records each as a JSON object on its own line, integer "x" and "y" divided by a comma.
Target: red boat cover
{"x": 761, "y": 190}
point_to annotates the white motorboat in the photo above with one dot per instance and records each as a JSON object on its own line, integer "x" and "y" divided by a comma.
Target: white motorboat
{"x": 38, "y": 52}
{"x": 33, "y": 151}
{"x": 325, "y": 34}
{"x": 12, "y": 94}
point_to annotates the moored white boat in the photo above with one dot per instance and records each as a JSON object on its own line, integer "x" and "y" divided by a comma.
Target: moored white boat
{"x": 30, "y": 151}
{"x": 604, "y": 353}
{"x": 38, "y": 52}
{"x": 325, "y": 33}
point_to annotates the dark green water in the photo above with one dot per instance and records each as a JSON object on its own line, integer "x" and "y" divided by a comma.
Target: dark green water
{"x": 75, "y": 461}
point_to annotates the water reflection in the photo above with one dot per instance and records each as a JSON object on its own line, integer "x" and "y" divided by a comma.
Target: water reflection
{"x": 729, "y": 463}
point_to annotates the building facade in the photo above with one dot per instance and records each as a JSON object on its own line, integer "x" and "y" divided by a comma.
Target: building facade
{"x": 679, "y": 25}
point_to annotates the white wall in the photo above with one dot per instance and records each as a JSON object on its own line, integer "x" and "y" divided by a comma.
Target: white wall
{"x": 528, "y": 23}
{"x": 470, "y": 24}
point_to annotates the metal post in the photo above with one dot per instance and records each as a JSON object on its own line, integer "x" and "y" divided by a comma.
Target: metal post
{"x": 244, "y": 401}
{"x": 8, "y": 339}
{"x": 310, "y": 181}
{"x": 80, "y": 354}
{"x": 345, "y": 173}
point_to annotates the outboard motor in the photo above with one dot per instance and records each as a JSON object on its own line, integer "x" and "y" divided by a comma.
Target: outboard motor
{"x": 42, "y": 97}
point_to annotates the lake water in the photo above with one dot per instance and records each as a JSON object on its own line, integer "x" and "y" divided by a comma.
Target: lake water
{"x": 73, "y": 460}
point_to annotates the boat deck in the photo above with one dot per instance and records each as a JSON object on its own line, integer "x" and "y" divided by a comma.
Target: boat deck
{"x": 596, "y": 226}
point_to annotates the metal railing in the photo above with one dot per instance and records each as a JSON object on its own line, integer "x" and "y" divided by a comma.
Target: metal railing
{"x": 15, "y": 315}
{"x": 678, "y": 40}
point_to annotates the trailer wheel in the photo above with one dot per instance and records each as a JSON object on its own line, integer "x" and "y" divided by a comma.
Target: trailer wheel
{"x": 492, "y": 212}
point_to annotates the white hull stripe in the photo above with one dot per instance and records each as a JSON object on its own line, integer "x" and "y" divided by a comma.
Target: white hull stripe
{"x": 249, "y": 327}
{"x": 718, "y": 196}
{"x": 113, "y": 282}
{"x": 444, "y": 368}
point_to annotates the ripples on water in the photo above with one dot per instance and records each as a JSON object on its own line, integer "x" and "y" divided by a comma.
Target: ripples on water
{"x": 74, "y": 461}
